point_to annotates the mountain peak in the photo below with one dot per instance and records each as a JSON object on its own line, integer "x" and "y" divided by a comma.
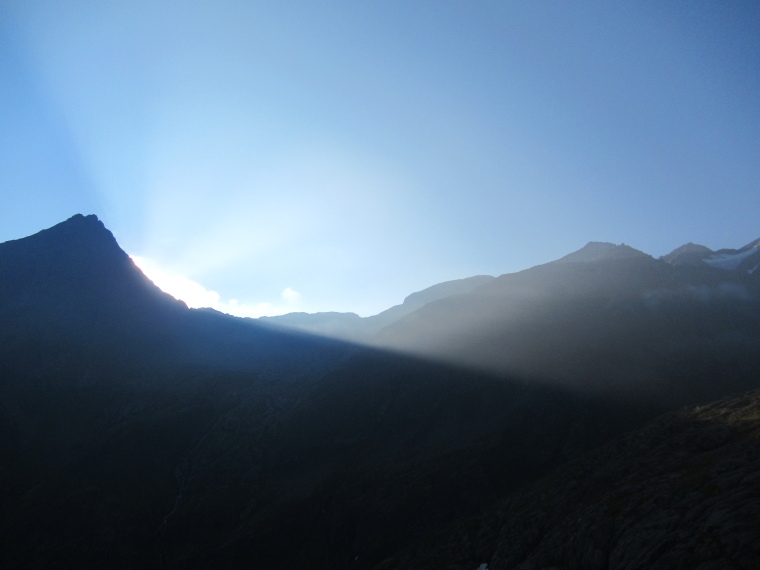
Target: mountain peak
{"x": 76, "y": 263}
{"x": 79, "y": 218}
{"x": 79, "y": 224}
{"x": 688, "y": 254}
{"x": 79, "y": 232}
{"x": 598, "y": 250}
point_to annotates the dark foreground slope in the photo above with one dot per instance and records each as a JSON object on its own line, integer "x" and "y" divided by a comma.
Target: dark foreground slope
{"x": 132, "y": 466}
{"x": 683, "y": 492}
{"x": 384, "y": 450}
{"x": 135, "y": 432}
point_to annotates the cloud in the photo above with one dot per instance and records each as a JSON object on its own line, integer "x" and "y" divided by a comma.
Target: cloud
{"x": 197, "y": 296}
{"x": 290, "y": 296}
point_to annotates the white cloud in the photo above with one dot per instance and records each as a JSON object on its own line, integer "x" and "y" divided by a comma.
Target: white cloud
{"x": 197, "y": 296}
{"x": 290, "y": 296}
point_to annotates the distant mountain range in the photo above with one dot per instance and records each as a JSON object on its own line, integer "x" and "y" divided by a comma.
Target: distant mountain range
{"x": 746, "y": 258}
{"x": 349, "y": 326}
{"x": 451, "y": 431}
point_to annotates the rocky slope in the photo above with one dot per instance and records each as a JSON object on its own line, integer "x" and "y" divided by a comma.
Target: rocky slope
{"x": 683, "y": 492}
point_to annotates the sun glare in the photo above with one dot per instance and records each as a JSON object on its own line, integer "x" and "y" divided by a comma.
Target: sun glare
{"x": 196, "y": 296}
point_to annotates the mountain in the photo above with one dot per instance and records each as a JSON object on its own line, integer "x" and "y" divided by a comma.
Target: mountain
{"x": 349, "y": 326}
{"x": 624, "y": 325}
{"x": 681, "y": 492}
{"x": 688, "y": 254}
{"x": 597, "y": 250}
{"x": 73, "y": 282}
{"x": 76, "y": 276}
{"x": 745, "y": 259}
{"x": 135, "y": 432}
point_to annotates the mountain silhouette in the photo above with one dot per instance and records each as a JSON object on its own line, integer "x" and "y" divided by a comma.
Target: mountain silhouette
{"x": 139, "y": 433}
{"x": 73, "y": 281}
{"x": 349, "y": 326}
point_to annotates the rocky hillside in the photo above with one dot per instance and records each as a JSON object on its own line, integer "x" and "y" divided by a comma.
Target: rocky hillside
{"x": 683, "y": 492}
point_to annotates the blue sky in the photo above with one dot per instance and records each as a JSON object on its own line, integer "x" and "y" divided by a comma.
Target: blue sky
{"x": 341, "y": 155}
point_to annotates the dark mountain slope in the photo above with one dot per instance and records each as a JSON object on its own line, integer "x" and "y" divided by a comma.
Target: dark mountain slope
{"x": 73, "y": 281}
{"x": 382, "y": 451}
{"x": 106, "y": 384}
{"x": 683, "y": 492}
{"x": 125, "y": 466}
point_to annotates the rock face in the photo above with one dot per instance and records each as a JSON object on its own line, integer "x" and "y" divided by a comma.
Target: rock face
{"x": 683, "y": 492}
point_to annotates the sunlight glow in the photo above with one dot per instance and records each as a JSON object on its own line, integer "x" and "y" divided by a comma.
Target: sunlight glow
{"x": 197, "y": 296}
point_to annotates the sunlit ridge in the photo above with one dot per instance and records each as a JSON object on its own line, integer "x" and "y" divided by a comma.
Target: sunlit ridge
{"x": 197, "y": 296}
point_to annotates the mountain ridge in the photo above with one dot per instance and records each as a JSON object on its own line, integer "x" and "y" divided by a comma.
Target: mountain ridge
{"x": 135, "y": 432}
{"x": 597, "y": 251}
{"x": 365, "y": 329}
{"x": 745, "y": 259}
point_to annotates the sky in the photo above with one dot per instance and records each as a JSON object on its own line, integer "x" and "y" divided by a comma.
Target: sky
{"x": 267, "y": 157}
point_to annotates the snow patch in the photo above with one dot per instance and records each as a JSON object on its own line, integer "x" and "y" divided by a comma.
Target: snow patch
{"x": 729, "y": 260}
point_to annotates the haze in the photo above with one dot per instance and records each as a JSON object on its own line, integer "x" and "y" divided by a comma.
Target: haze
{"x": 339, "y": 155}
